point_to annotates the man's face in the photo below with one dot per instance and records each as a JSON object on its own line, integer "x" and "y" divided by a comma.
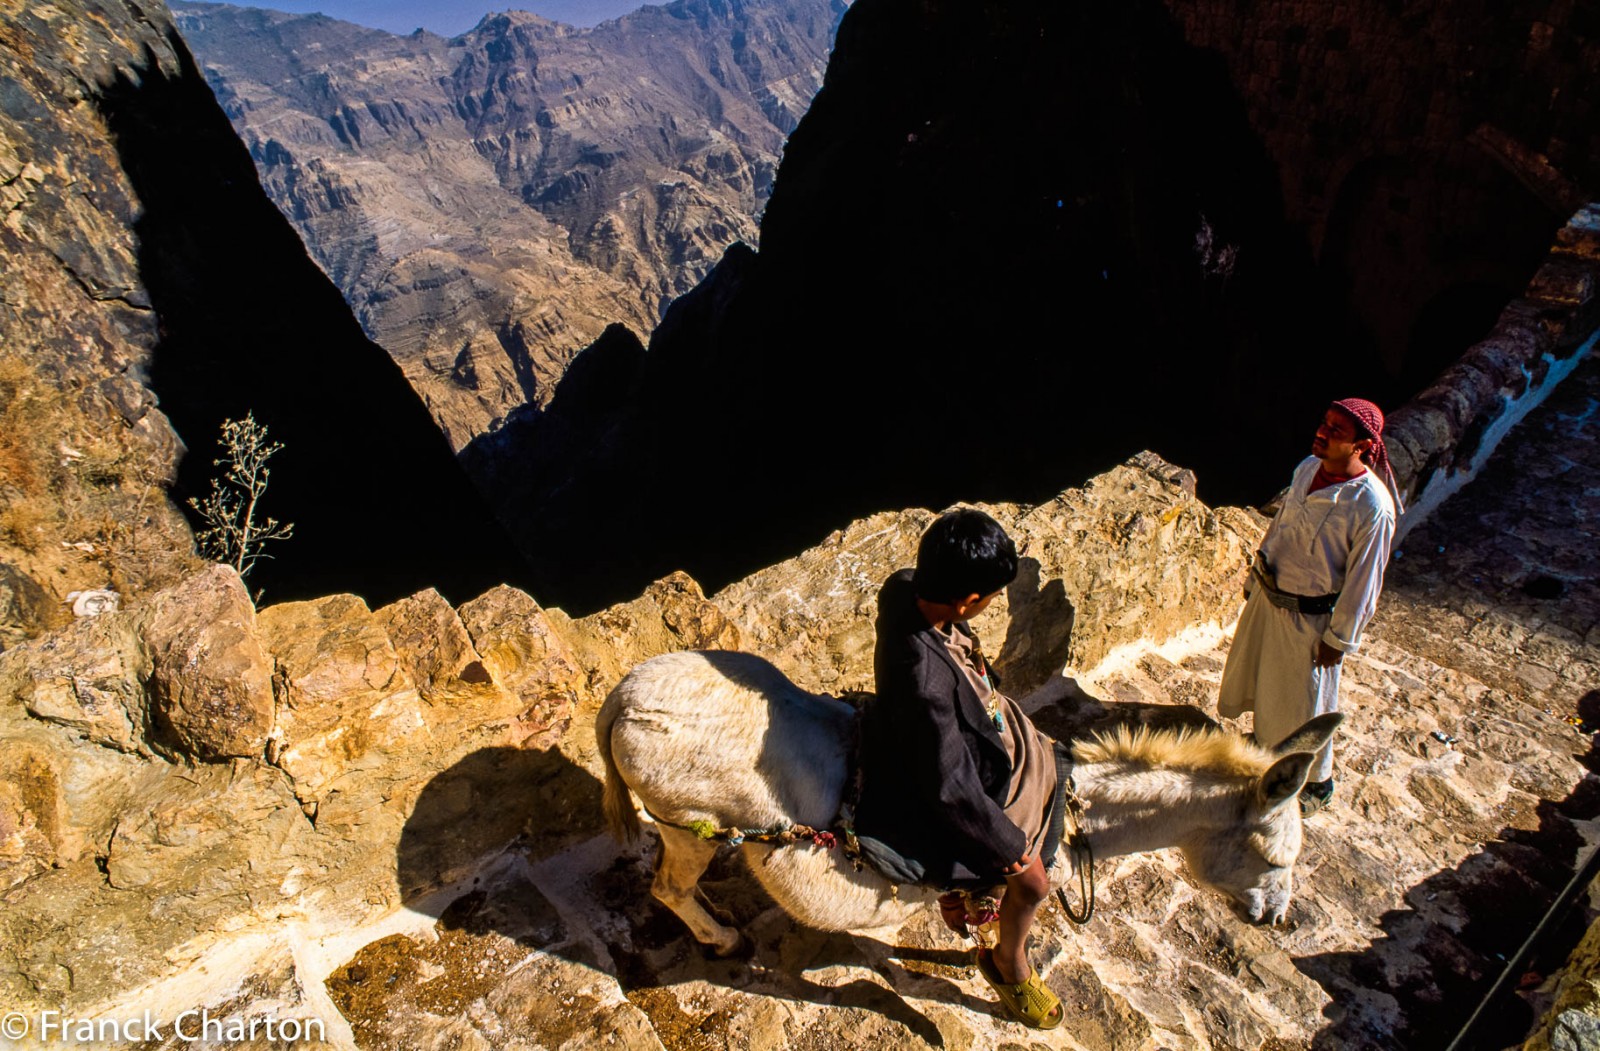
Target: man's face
{"x": 1336, "y": 439}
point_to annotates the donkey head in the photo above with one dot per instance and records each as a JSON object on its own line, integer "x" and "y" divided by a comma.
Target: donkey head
{"x": 1253, "y": 858}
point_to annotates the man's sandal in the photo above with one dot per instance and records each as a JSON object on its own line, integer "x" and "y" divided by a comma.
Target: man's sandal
{"x": 1030, "y": 1002}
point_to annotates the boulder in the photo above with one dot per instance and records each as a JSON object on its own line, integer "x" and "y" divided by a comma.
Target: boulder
{"x": 1131, "y": 557}
{"x": 434, "y": 647}
{"x": 344, "y": 698}
{"x": 520, "y": 648}
{"x": 672, "y": 614}
{"x": 210, "y": 679}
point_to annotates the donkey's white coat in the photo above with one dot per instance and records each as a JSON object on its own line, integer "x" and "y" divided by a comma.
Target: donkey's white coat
{"x": 725, "y": 737}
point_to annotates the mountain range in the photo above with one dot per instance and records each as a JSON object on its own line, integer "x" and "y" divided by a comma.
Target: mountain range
{"x": 489, "y": 203}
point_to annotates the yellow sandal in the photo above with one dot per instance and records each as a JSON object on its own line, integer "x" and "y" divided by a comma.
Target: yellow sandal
{"x": 1031, "y": 1002}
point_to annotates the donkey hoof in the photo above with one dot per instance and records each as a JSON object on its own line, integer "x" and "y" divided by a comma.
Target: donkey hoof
{"x": 741, "y": 948}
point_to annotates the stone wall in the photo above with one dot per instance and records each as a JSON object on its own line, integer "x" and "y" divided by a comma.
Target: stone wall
{"x": 1439, "y": 439}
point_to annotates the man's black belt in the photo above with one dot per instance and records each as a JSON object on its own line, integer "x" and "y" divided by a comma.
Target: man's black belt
{"x": 1314, "y": 604}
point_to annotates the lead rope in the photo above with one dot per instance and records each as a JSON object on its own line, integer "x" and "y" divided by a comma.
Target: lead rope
{"x": 1082, "y": 862}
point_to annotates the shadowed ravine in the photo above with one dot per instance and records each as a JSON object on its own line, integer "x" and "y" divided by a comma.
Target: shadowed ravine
{"x": 250, "y": 325}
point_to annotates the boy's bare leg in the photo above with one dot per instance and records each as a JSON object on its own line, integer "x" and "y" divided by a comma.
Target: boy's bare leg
{"x": 1025, "y": 892}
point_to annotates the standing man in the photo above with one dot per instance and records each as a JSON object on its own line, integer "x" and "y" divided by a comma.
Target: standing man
{"x": 1314, "y": 585}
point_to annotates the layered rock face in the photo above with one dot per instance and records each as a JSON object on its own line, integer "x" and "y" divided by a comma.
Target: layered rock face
{"x": 1040, "y": 238}
{"x": 85, "y": 452}
{"x": 146, "y": 268}
{"x": 489, "y": 204}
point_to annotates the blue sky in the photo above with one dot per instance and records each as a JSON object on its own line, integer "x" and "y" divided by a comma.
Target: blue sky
{"x": 448, "y": 17}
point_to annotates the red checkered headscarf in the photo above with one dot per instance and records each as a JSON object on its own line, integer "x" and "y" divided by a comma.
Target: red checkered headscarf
{"x": 1369, "y": 424}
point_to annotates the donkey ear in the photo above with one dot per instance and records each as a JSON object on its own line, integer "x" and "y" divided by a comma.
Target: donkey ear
{"x": 1310, "y": 737}
{"x": 1284, "y": 779}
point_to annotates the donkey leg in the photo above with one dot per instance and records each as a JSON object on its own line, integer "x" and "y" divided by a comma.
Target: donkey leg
{"x": 684, "y": 857}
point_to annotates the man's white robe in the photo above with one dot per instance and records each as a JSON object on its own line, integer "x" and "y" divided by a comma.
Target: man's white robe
{"x": 1336, "y": 539}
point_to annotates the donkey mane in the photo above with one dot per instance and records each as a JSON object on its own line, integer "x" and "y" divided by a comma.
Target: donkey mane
{"x": 1201, "y": 750}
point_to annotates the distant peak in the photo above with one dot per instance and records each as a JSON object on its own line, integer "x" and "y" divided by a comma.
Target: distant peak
{"x": 507, "y": 19}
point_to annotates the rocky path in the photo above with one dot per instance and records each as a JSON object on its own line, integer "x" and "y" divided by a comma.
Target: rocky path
{"x": 1462, "y": 807}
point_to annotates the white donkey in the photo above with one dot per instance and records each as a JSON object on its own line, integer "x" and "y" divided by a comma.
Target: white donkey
{"x": 725, "y": 738}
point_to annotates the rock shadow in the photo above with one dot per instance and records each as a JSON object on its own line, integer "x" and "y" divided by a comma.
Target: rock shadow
{"x": 1441, "y": 955}
{"x": 1039, "y": 636}
{"x": 536, "y": 801}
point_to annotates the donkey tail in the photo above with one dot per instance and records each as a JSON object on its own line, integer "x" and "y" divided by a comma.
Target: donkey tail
{"x": 621, "y": 818}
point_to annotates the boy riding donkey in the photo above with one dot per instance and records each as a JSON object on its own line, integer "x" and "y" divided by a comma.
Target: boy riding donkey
{"x": 955, "y": 779}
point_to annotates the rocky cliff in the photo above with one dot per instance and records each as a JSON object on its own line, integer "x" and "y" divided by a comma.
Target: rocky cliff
{"x": 489, "y": 204}
{"x": 1030, "y": 239}
{"x": 1421, "y": 149}
{"x": 152, "y": 291}
{"x": 85, "y": 452}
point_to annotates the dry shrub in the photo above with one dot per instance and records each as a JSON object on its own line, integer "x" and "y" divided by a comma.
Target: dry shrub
{"x": 21, "y": 416}
{"x": 28, "y": 523}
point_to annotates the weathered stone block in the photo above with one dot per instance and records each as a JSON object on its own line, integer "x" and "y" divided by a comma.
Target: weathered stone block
{"x": 210, "y": 680}
{"x": 1563, "y": 282}
{"x": 329, "y": 648}
{"x": 344, "y": 699}
{"x": 524, "y": 653}
{"x": 1416, "y": 437}
{"x": 672, "y": 614}
{"x": 1453, "y": 405}
{"x": 89, "y": 678}
{"x": 433, "y": 645}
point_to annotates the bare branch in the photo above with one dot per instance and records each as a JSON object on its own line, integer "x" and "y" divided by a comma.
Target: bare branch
{"x": 233, "y": 535}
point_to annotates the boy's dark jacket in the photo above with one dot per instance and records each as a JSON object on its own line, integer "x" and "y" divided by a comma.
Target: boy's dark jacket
{"x": 933, "y": 768}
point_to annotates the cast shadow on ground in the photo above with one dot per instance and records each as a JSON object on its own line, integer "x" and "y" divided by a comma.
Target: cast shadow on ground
{"x": 1440, "y": 955}
{"x": 563, "y": 888}
{"x": 545, "y": 805}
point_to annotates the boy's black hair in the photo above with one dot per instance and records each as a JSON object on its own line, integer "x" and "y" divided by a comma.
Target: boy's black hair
{"x": 964, "y": 552}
